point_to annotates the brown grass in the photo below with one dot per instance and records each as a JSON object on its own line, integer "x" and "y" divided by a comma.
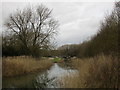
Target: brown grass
{"x": 13, "y": 66}
{"x": 98, "y": 72}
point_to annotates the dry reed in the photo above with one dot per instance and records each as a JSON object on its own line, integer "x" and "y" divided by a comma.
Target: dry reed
{"x": 98, "y": 72}
{"x": 13, "y": 66}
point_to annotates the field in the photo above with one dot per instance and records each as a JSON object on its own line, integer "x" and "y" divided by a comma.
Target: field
{"x": 13, "y": 66}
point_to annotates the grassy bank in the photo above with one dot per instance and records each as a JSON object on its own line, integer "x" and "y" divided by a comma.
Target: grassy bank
{"x": 98, "y": 72}
{"x": 57, "y": 60}
{"x": 13, "y": 66}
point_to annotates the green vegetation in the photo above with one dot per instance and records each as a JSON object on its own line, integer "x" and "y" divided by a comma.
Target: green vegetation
{"x": 57, "y": 59}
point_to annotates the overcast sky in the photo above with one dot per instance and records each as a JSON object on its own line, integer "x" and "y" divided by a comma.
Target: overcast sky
{"x": 78, "y": 20}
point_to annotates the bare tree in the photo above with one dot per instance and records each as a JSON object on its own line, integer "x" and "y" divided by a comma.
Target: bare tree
{"x": 33, "y": 27}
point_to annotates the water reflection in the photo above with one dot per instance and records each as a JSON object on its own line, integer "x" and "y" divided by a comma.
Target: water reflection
{"x": 57, "y": 71}
{"x": 48, "y": 79}
{"x": 25, "y": 81}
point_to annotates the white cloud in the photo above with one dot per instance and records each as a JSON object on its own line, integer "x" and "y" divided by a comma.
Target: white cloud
{"x": 59, "y": 0}
{"x": 78, "y": 20}
{"x": 83, "y": 22}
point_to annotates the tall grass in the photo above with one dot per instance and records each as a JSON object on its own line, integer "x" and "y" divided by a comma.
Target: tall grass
{"x": 13, "y": 66}
{"x": 98, "y": 72}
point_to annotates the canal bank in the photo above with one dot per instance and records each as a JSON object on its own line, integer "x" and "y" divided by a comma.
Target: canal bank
{"x": 48, "y": 79}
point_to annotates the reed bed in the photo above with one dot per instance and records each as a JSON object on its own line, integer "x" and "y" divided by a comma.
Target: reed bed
{"x": 13, "y": 66}
{"x": 97, "y": 72}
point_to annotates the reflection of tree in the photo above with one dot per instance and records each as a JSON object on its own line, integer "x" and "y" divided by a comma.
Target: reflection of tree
{"x": 43, "y": 81}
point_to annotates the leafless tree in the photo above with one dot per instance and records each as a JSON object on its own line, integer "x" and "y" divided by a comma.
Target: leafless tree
{"x": 33, "y": 27}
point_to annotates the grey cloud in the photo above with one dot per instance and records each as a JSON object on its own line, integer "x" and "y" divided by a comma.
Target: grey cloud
{"x": 78, "y": 20}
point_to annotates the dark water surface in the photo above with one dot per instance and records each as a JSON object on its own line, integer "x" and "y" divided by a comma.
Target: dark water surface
{"x": 47, "y": 79}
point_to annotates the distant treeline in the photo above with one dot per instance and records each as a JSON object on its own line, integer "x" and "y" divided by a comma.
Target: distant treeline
{"x": 106, "y": 41}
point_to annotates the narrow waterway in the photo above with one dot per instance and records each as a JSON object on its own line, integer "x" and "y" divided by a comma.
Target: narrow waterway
{"x": 47, "y": 79}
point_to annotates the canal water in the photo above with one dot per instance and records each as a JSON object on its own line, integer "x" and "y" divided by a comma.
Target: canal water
{"x": 48, "y": 79}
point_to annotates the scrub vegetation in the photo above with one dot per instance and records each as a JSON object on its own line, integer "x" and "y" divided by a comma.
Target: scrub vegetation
{"x": 98, "y": 63}
{"x": 97, "y": 60}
